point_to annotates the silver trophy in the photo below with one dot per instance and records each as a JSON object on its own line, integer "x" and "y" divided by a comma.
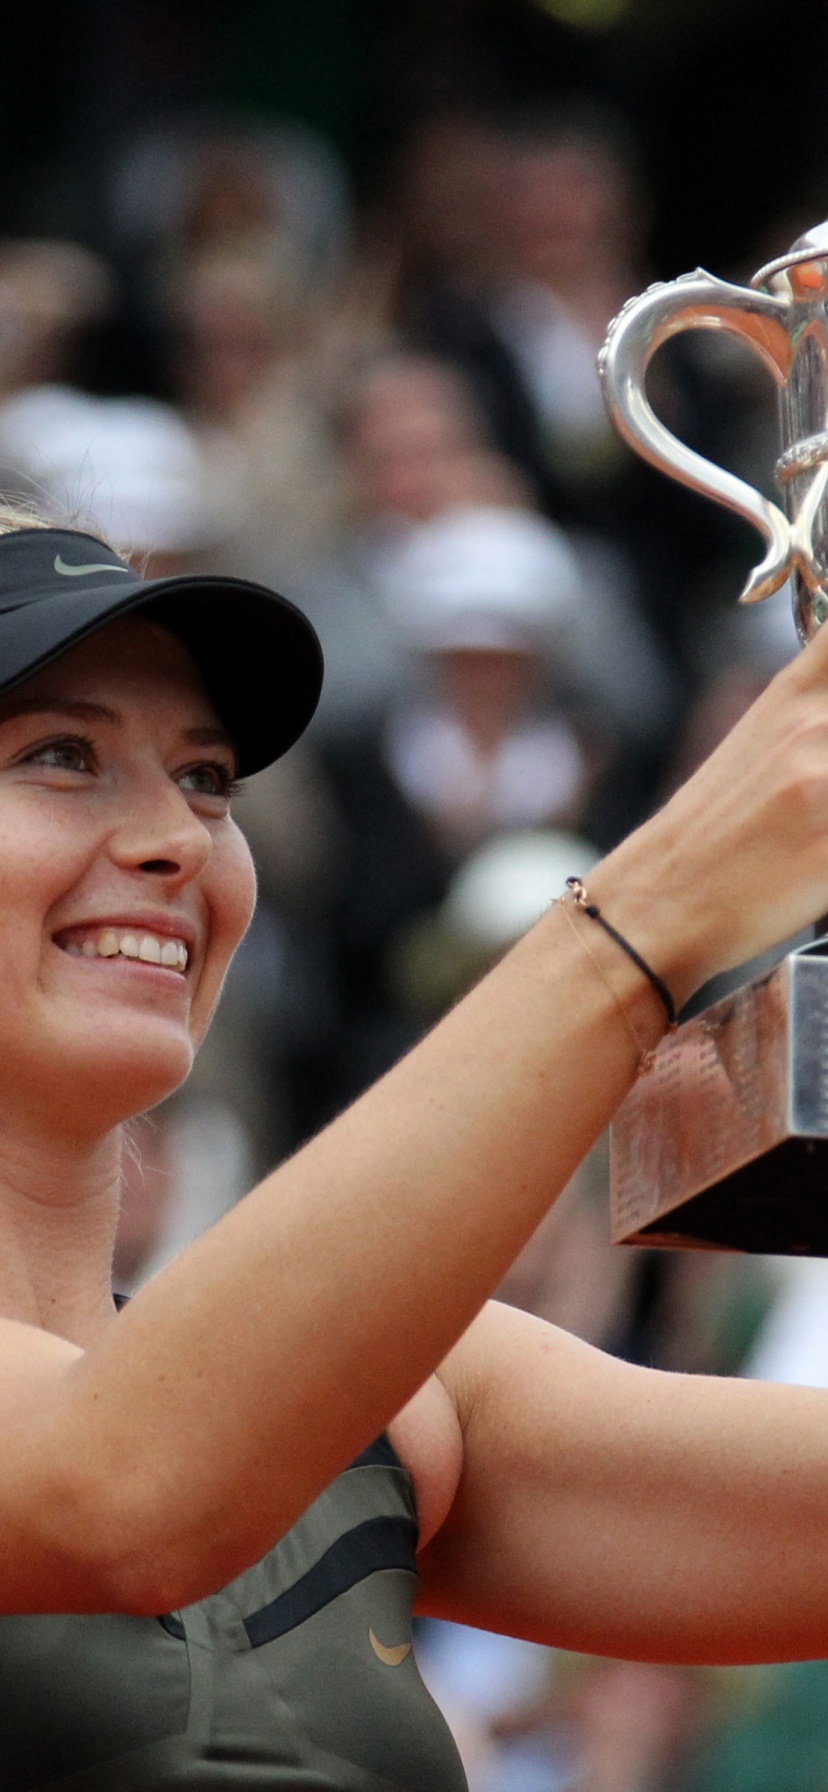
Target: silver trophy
{"x": 723, "y": 1144}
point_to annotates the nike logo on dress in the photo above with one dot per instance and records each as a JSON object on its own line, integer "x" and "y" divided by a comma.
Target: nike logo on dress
{"x": 393, "y": 1655}
{"x": 74, "y": 572}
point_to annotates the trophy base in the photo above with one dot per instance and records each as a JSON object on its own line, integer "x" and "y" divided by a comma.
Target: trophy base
{"x": 776, "y": 1205}
{"x": 723, "y": 1144}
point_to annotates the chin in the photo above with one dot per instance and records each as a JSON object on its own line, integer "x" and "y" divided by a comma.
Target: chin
{"x": 135, "y": 1093}
{"x": 134, "y": 1075}
{"x": 122, "y": 1071}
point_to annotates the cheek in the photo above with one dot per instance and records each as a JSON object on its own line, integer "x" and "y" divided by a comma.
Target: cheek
{"x": 238, "y": 886}
{"x": 41, "y": 861}
{"x": 231, "y": 895}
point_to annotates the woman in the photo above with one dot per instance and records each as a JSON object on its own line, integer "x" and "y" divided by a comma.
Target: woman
{"x": 189, "y": 1455}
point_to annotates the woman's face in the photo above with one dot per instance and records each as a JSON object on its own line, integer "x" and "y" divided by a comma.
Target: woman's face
{"x": 124, "y": 884}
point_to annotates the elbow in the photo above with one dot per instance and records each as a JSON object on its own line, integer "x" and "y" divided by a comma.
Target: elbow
{"x": 144, "y": 1573}
{"x": 162, "y": 1558}
{"x": 147, "y": 1583}
{"x": 127, "y": 1546}
{"x": 137, "y": 1589}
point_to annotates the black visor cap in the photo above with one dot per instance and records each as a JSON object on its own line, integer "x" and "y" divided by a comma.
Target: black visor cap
{"x": 259, "y": 657}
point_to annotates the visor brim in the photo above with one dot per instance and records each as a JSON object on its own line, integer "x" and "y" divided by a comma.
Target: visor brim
{"x": 259, "y": 656}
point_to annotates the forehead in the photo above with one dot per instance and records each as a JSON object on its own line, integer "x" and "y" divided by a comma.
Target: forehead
{"x": 132, "y": 661}
{"x": 131, "y": 654}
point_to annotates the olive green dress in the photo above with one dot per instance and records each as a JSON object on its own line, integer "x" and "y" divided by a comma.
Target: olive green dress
{"x": 298, "y": 1675}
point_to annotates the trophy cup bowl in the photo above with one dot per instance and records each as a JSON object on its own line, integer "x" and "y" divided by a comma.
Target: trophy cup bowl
{"x": 723, "y": 1143}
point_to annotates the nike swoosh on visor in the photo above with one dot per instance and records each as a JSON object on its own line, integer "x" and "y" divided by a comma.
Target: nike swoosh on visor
{"x": 74, "y": 572}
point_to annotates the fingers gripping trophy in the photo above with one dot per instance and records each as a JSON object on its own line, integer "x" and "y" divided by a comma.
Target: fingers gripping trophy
{"x": 723, "y": 1144}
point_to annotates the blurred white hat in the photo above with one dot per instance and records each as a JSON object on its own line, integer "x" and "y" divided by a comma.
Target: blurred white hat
{"x": 482, "y": 576}
{"x": 505, "y": 887}
{"x": 130, "y": 467}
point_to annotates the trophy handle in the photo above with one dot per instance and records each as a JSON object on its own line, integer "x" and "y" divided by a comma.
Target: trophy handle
{"x": 699, "y": 302}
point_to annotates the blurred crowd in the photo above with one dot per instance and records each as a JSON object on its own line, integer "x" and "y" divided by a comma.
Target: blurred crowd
{"x": 393, "y": 415}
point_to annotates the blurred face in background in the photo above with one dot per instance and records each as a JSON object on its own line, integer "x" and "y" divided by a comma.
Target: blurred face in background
{"x": 414, "y": 445}
{"x": 50, "y": 293}
{"x": 490, "y": 689}
{"x": 232, "y": 195}
{"x": 238, "y": 314}
{"x": 452, "y": 188}
{"x": 572, "y": 209}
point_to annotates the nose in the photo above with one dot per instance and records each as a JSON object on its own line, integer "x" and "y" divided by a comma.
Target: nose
{"x": 160, "y": 835}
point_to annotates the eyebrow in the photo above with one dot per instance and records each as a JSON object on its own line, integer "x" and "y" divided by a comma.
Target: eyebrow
{"x": 209, "y": 734}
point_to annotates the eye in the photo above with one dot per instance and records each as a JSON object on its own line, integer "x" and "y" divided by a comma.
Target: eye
{"x": 209, "y": 778}
{"x": 71, "y": 753}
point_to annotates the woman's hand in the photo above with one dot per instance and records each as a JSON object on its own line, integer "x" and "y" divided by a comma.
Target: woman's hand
{"x": 737, "y": 860}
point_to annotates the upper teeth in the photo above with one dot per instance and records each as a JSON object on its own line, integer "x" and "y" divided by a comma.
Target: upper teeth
{"x": 152, "y": 949}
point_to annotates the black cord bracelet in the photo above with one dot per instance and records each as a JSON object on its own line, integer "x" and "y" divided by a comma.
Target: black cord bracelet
{"x": 579, "y": 895}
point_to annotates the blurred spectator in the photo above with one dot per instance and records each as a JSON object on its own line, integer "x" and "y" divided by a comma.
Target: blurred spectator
{"x": 51, "y": 294}
{"x": 416, "y": 443}
{"x": 485, "y": 596}
{"x": 480, "y": 739}
{"x": 190, "y": 185}
{"x": 411, "y": 443}
{"x": 461, "y": 572}
{"x": 603, "y": 648}
{"x": 243, "y": 368}
{"x": 238, "y": 311}
{"x": 575, "y": 222}
{"x": 415, "y": 446}
{"x": 449, "y": 185}
{"x": 520, "y": 235}
{"x": 437, "y": 250}
{"x": 574, "y": 231}
{"x": 230, "y": 235}
{"x": 518, "y": 295}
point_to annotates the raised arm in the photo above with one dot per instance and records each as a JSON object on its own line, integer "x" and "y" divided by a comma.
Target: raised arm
{"x": 628, "y": 1512}
{"x": 236, "y": 1385}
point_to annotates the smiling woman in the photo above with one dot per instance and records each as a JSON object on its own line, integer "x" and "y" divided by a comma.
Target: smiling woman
{"x": 219, "y": 1505}
{"x": 133, "y": 885}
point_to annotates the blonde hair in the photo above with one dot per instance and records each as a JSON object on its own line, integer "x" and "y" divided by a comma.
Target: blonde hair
{"x": 23, "y": 513}
{"x": 18, "y": 513}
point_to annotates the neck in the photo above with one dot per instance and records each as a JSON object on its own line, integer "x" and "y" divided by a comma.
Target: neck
{"x": 58, "y": 1214}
